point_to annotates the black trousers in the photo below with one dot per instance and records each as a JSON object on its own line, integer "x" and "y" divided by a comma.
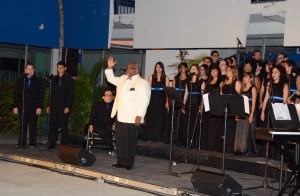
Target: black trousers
{"x": 105, "y": 132}
{"x": 126, "y": 140}
{"x": 58, "y": 119}
{"x": 29, "y": 121}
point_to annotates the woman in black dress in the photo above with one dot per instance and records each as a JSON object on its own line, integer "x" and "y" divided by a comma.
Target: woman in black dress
{"x": 277, "y": 94}
{"x": 192, "y": 100}
{"x": 156, "y": 115}
{"x": 244, "y": 136}
{"x": 231, "y": 86}
{"x": 179, "y": 83}
{"x": 211, "y": 137}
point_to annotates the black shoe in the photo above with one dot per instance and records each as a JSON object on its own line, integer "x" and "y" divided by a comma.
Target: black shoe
{"x": 117, "y": 165}
{"x": 127, "y": 167}
{"x": 51, "y": 147}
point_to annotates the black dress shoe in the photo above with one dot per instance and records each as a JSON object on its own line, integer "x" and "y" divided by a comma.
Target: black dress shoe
{"x": 117, "y": 165}
{"x": 127, "y": 167}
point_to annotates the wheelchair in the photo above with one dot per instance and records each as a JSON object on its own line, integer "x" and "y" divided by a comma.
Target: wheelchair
{"x": 94, "y": 140}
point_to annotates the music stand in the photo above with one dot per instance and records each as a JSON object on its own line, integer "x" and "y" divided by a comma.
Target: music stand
{"x": 283, "y": 124}
{"x": 175, "y": 99}
{"x": 226, "y": 105}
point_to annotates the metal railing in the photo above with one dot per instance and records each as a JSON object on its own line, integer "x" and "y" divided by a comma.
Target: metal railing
{"x": 128, "y": 6}
{"x": 265, "y": 1}
{"x": 124, "y": 6}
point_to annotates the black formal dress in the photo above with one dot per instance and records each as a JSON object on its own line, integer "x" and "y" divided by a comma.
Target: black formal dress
{"x": 244, "y": 136}
{"x": 33, "y": 98}
{"x": 156, "y": 117}
{"x": 191, "y": 112}
{"x": 229, "y": 89}
{"x": 102, "y": 122}
{"x": 276, "y": 96}
{"x": 178, "y": 115}
{"x": 211, "y": 138}
{"x": 61, "y": 97}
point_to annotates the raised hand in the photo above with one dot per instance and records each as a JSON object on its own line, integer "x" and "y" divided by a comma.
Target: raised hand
{"x": 111, "y": 62}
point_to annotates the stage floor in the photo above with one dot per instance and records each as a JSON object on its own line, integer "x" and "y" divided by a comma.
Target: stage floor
{"x": 149, "y": 173}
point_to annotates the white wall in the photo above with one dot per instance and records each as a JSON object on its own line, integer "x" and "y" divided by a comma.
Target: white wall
{"x": 191, "y": 23}
{"x": 292, "y": 24}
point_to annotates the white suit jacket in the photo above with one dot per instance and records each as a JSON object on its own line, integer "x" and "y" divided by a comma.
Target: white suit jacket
{"x": 132, "y": 99}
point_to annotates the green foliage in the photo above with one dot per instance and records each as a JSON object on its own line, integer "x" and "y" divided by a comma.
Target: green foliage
{"x": 82, "y": 104}
{"x": 8, "y": 121}
{"x": 86, "y": 93}
{"x": 197, "y": 60}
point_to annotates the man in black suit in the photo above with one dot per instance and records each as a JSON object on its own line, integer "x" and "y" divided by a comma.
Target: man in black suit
{"x": 100, "y": 121}
{"x": 28, "y": 104}
{"x": 60, "y": 100}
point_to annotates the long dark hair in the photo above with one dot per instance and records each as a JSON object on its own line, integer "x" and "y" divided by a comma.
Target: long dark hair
{"x": 163, "y": 74}
{"x": 282, "y": 78}
{"x": 206, "y": 68}
{"x": 184, "y": 64}
{"x": 210, "y": 78}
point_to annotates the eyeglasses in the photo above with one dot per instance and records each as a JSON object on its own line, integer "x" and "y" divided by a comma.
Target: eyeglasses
{"x": 108, "y": 95}
{"x": 131, "y": 68}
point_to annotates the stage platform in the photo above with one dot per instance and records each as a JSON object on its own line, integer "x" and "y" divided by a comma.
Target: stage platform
{"x": 150, "y": 172}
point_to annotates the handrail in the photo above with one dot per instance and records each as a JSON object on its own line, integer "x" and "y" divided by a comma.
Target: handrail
{"x": 128, "y": 6}
{"x": 124, "y": 6}
{"x": 265, "y": 1}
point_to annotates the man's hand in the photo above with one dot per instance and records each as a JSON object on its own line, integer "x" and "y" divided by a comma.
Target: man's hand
{"x": 110, "y": 62}
{"x": 15, "y": 111}
{"x": 67, "y": 110}
{"x": 138, "y": 120}
{"x": 91, "y": 128}
{"x": 38, "y": 111}
{"x": 48, "y": 110}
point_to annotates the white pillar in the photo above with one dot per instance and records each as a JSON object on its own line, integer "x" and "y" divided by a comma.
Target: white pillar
{"x": 54, "y": 60}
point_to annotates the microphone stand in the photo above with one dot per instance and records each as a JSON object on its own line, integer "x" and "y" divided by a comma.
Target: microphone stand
{"x": 49, "y": 102}
{"x": 178, "y": 115}
{"x": 271, "y": 100}
{"x": 188, "y": 124}
{"x": 23, "y": 110}
{"x": 200, "y": 112}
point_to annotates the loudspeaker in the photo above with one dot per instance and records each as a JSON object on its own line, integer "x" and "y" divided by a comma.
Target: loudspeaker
{"x": 215, "y": 184}
{"x": 75, "y": 155}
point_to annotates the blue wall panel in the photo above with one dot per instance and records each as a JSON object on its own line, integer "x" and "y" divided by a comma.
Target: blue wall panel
{"x": 86, "y": 23}
{"x": 31, "y": 22}
{"x": 35, "y": 22}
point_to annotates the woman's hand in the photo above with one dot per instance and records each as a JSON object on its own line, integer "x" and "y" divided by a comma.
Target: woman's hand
{"x": 251, "y": 117}
{"x": 262, "y": 116}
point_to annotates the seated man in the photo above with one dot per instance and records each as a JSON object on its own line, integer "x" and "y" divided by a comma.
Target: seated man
{"x": 100, "y": 121}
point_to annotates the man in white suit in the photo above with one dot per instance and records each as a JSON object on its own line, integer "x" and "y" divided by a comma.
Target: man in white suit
{"x": 131, "y": 102}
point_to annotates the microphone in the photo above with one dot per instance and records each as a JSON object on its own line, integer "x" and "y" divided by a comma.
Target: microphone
{"x": 25, "y": 74}
{"x": 124, "y": 69}
{"x": 51, "y": 76}
{"x": 191, "y": 74}
{"x": 239, "y": 41}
